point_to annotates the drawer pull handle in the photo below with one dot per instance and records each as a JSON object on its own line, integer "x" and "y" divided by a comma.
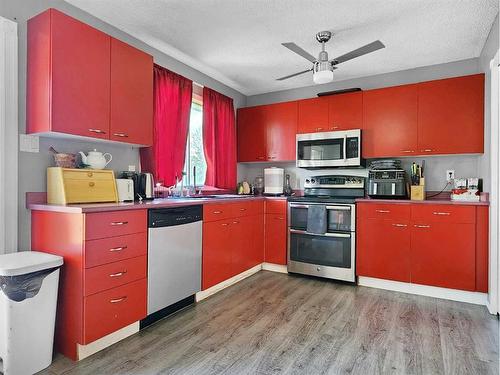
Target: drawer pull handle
{"x": 98, "y": 131}
{"x": 118, "y": 274}
{"x": 261, "y": 158}
{"x": 280, "y": 218}
{"x": 236, "y": 222}
{"x": 383, "y": 211}
{"x": 114, "y": 223}
{"x": 224, "y": 224}
{"x": 90, "y": 174}
{"x": 334, "y": 127}
{"x": 91, "y": 184}
{"x": 407, "y": 151}
{"x": 442, "y": 213}
{"x": 422, "y": 226}
{"x": 243, "y": 209}
{"x": 119, "y": 248}
{"x": 217, "y": 212}
{"x": 122, "y": 135}
{"x": 118, "y": 300}
{"x": 427, "y": 150}
{"x": 400, "y": 225}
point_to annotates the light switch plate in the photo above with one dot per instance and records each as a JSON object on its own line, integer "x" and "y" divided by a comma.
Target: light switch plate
{"x": 29, "y": 143}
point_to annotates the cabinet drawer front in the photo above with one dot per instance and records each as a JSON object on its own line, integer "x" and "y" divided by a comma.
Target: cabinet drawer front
{"x": 89, "y": 191}
{"x": 109, "y": 250}
{"x": 108, "y": 276}
{"x": 87, "y": 174}
{"x": 217, "y": 211}
{"x": 443, "y": 213}
{"x": 247, "y": 208}
{"x": 276, "y": 206}
{"x": 108, "y": 311}
{"x": 115, "y": 223}
{"x": 394, "y": 211}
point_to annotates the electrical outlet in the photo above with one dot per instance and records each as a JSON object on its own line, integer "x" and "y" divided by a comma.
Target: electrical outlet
{"x": 29, "y": 143}
{"x": 131, "y": 168}
{"x": 450, "y": 175}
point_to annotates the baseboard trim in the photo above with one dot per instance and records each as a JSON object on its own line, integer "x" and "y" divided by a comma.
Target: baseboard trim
{"x": 274, "y": 267}
{"x": 425, "y": 290}
{"x": 84, "y": 351}
{"x": 226, "y": 283}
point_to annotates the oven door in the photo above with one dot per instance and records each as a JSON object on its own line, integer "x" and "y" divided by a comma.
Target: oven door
{"x": 329, "y": 149}
{"x": 329, "y": 255}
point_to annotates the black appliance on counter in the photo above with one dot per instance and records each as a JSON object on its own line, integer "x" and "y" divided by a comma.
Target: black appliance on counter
{"x": 322, "y": 227}
{"x": 387, "y": 179}
{"x": 143, "y": 184}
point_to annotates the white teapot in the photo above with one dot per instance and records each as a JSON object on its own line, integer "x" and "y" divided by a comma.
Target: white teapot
{"x": 96, "y": 159}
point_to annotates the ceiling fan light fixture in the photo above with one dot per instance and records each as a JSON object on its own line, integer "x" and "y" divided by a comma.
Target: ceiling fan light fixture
{"x": 323, "y": 76}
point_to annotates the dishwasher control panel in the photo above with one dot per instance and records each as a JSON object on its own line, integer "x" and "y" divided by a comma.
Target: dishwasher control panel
{"x": 166, "y": 217}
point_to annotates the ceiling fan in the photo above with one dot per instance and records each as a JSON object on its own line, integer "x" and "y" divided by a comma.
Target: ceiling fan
{"x": 322, "y": 67}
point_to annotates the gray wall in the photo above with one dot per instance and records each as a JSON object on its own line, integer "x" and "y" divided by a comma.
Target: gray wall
{"x": 32, "y": 166}
{"x": 464, "y": 165}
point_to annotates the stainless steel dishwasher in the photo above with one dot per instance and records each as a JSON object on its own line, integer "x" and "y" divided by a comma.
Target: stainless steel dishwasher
{"x": 174, "y": 259}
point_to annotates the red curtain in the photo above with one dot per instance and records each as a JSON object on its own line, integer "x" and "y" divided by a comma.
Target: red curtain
{"x": 219, "y": 139}
{"x": 172, "y": 107}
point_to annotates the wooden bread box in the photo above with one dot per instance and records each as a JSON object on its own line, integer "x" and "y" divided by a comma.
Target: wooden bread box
{"x": 68, "y": 186}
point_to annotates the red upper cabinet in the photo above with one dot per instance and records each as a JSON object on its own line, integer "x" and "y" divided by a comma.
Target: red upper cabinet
{"x": 451, "y": 115}
{"x": 267, "y": 133}
{"x": 345, "y": 111}
{"x": 251, "y": 134}
{"x": 281, "y": 129}
{"x": 74, "y": 86}
{"x": 390, "y": 122}
{"x": 313, "y": 115}
{"x": 68, "y": 76}
{"x": 131, "y": 94}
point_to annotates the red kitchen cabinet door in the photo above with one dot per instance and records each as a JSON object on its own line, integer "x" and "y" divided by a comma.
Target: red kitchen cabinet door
{"x": 251, "y": 132}
{"x": 256, "y": 255}
{"x": 281, "y": 130}
{"x": 443, "y": 255}
{"x": 313, "y": 115}
{"x": 451, "y": 115}
{"x": 239, "y": 241}
{"x": 345, "y": 111}
{"x": 383, "y": 249}
{"x": 131, "y": 94}
{"x": 275, "y": 238}
{"x": 80, "y": 72}
{"x": 390, "y": 122}
{"x": 217, "y": 257}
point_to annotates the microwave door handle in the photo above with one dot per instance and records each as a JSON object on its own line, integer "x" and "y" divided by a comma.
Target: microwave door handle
{"x": 345, "y": 147}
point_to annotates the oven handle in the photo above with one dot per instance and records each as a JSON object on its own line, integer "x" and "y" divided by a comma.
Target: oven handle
{"x": 345, "y": 147}
{"x": 338, "y": 235}
{"x": 343, "y": 208}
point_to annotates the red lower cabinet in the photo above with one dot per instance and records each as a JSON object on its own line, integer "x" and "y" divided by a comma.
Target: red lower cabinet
{"x": 443, "y": 254}
{"x": 217, "y": 256}
{"x": 275, "y": 239}
{"x": 440, "y": 245}
{"x": 385, "y": 248}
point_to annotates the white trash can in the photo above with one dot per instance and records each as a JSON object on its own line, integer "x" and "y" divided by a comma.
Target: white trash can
{"x": 28, "y": 301}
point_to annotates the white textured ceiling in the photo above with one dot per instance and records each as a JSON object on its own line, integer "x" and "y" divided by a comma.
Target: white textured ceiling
{"x": 238, "y": 42}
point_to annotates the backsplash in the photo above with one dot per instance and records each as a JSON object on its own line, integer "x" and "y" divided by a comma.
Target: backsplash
{"x": 435, "y": 173}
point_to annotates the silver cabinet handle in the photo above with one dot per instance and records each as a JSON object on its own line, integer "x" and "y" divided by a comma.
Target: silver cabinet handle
{"x": 334, "y": 127}
{"x": 422, "y": 226}
{"x": 117, "y": 300}
{"x": 236, "y": 222}
{"x": 98, "y": 131}
{"x": 400, "y": 225}
{"x": 118, "y": 274}
{"x": 123, "y": 135}
{"x": 216, "y": 212}
{"x": 260, "y": 157}
{"x": 442, "y": 213}
{"x": 407, "y": 151}
{"x": 279, "y": 218}
{"x": 339, "y": 235}
{"x": 115, "y": 223}
{"x": 427, "y": 150}
{"x": 224, "y": 224}
{"x": 383, "y": 211}
{"x": 339, "y": 208}
{"x": 119, "y": 248}
{"x": 243, "y": 209}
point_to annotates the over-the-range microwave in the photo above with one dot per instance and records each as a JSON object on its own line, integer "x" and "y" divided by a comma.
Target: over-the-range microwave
{"x": 329, "y": 149}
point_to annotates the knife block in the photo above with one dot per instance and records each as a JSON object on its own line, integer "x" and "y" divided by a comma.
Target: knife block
{"x": 417, "y": 192}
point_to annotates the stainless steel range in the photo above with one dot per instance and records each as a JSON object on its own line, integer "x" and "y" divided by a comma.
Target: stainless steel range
{"x": 322, "y": 227}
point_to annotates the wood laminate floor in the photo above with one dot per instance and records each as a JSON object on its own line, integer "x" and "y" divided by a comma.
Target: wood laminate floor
{"x": 274, "y": 323}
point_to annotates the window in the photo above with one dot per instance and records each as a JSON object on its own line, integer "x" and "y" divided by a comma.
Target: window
{"x": 195, "y": 155}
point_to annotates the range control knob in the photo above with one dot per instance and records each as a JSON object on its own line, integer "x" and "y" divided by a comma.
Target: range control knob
{"x": 307, "y": 181}
{"x": 313, "y": 180}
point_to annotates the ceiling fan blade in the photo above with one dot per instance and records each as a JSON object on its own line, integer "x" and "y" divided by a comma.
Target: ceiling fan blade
{"x": 370, "y": 47}
{"x": 299, "y": 51}
{"x": 293, "y": 75}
